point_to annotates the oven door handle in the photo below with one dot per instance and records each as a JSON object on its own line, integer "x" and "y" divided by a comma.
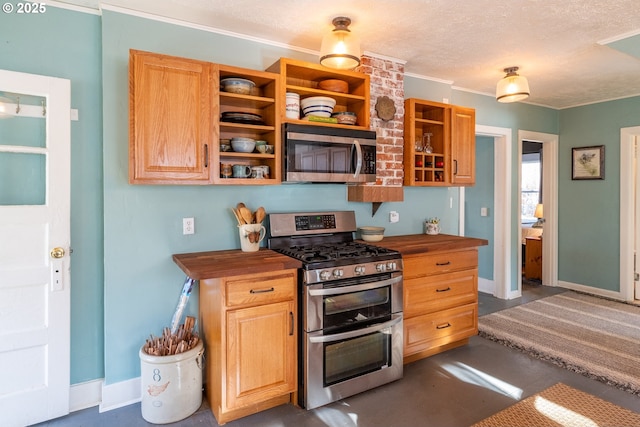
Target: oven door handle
{"x": 395, "y": 319}
{"x": 355, "y": 288}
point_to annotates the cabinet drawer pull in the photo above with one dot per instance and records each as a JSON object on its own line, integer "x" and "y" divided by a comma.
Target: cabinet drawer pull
{"x": 443, "y": 263}
{"x": 444, "y": 326}
{"x": 291, "y": 328}
{"x": 444, "y": 290}
{"x": 262, "y": 291}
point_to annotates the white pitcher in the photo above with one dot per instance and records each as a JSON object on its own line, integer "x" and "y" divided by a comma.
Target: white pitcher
{"x": 250, "y": 236}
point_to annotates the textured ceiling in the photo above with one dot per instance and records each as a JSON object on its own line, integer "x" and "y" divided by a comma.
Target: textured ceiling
{"x": 573, "y": 52}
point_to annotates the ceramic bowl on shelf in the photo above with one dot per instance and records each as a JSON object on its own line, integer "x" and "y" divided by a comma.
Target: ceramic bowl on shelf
{"x": 334, "y": 85}
{"x": 265, "y": 148}
{"x": 243, "y": 145}
{"x": 371, "y": 233}
{"x": 225, "y": 147}
{"x": 237, "y": 85}
{"x": 345, "y": 117}
{"x": 321, "y": 106}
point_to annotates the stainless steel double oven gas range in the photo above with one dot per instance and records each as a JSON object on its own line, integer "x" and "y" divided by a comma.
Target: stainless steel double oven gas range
{"x": 350, "y": 305}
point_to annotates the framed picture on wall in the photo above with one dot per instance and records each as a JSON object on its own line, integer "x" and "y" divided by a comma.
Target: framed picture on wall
{"x": 587, "y": 162}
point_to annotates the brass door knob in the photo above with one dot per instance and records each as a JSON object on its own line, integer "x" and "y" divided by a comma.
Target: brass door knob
{"x": 57, "y": 253}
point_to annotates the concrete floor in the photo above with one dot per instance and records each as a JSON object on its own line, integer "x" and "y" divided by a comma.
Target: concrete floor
{"x": 456, "y": 388}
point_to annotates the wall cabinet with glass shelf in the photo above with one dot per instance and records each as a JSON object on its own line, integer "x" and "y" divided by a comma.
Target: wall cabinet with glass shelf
{"x": 304, "y": 78}
{"x": 262, "y": 106}
{"x": 439, "y": 144}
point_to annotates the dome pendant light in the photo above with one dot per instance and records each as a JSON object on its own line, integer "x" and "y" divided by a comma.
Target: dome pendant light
{"x": 340, "y": 49}
{"x": 513, "y": 87}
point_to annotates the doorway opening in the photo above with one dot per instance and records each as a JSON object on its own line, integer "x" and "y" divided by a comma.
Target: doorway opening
{"x": 548, "y": 198}
{"x": 531, "y": 211}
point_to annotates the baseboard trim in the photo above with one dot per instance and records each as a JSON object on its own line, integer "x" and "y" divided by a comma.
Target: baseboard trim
{"x": 120, "y": 394}
{"x": 591, "y": 290}
{"x": 85, "y": 395}
{"x": 486, "y": 286}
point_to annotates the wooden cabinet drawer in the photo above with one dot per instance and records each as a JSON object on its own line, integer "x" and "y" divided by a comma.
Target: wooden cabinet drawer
{"x": 440, "y": 262}
{"x": 438, "y": 329}
{"x": 425, "y": 295}
{"x": 262, "y": 288}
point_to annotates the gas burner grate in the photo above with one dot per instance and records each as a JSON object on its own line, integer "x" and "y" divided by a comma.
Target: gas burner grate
{"x": 333, "y": 251}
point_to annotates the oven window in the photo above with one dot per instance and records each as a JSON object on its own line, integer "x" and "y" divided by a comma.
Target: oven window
{"x": 356, "y": 356}
{"x": 357, "y": 307}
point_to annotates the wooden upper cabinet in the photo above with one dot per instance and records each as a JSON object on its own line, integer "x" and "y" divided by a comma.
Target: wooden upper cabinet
{"x": 450, "y": 132}
{"x": 304, "y": 78}
{"x": 463, "y": 145}
{"x": 171, "y": 122}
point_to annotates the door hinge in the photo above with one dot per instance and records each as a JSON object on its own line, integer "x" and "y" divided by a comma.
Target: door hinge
{"x": 636, "y": 277}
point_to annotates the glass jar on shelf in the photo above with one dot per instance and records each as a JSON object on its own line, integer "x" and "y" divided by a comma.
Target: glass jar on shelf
{"x": 426, "y": 143}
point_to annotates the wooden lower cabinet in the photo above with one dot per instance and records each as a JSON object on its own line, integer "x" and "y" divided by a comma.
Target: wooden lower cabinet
{"x": 440, "y": 301}
{"x": 250, "y": 339}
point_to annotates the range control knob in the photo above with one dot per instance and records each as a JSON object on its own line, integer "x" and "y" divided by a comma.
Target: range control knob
{"x": 325, "y": 275}
{"x": 338, "y": 272}
{"x": 381, "y": 267}
{"x": 359, "y": 270}
{"x": 391, "y": 265}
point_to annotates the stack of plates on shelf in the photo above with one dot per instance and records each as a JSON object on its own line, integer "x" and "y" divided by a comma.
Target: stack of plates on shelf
{"x": 240, "y": 117}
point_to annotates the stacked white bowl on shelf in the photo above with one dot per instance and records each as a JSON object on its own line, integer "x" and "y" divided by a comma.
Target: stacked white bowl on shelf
{"x": 321, "y": 106}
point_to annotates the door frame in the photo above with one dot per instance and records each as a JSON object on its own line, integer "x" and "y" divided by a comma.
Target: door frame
{"x": 503, "y": 212}
{"x": 501, "y": 209}
{"x": 628, "y": 138}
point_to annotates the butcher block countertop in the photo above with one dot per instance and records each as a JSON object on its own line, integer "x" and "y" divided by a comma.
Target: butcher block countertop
{"x": 217, "y": 264}
{"x": 421, "y": 243}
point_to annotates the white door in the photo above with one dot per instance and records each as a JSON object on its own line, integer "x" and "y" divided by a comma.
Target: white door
{"x": 34, "y": 248}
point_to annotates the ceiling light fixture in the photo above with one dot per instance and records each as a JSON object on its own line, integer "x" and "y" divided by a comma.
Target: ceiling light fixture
{"x": 340, "y": 48}
{"x": 513, "y": 87}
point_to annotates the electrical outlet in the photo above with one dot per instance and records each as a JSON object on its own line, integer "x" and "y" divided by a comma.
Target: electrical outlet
{"x": 484, "y": 211}
{"x": 394, "y": 216}
{"x": 188, "y": 226}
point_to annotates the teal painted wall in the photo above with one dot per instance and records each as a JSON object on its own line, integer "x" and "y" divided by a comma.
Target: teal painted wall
{"x": 479, "y": 196}
{"x": 589, "y": 211}
{"x": 67, "y": 44}
{"x": 118, "y": 302}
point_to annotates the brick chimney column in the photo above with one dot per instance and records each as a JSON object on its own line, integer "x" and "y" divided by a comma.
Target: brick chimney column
{"x": 387, "y": 79}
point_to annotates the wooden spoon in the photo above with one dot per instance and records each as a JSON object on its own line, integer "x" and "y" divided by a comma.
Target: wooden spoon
{"x": 246, "y": 215}
{"x": 237, "y": 215}
{"x": 260, "y": 215}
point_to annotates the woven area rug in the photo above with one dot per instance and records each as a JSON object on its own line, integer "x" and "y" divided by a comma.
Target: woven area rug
{"x": 593, "y": 336}
{"x": 561, "y": 405}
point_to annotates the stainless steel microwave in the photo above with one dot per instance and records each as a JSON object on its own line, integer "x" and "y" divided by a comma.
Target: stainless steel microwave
{"x": 327, "y": 154}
